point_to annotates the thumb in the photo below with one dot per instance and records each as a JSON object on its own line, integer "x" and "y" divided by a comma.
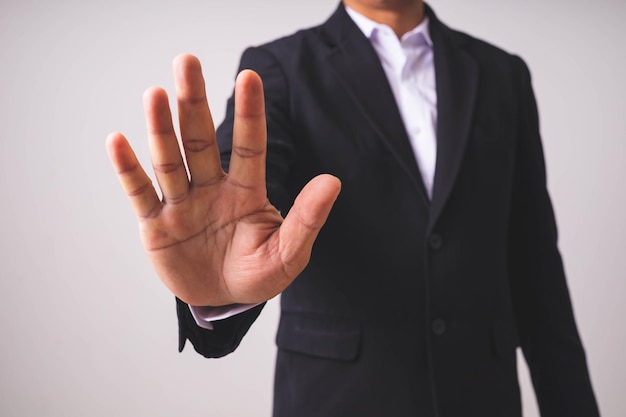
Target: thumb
{"x": 304, "y": 221}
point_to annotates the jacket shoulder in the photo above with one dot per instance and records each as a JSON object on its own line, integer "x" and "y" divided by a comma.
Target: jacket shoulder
{"x": 484, "y": 51}
{"x": 297, "y": 42}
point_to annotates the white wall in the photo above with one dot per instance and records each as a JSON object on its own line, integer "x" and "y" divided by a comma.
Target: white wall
{"x": 86, "y": 328}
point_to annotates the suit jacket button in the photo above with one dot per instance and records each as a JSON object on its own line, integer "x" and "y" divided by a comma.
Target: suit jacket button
{"x": 438, "y": 326}
{"x": 435, "y": 241}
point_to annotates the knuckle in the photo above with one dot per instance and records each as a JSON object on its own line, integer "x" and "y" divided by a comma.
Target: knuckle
{"x": 137, "y": 191}
{"x": 245, "y": 152}
{"x": 175, "y": 199}
{"x": 192, "y": 100}
{"x": 207, "y": 183}
{"x": 151, "y": 213}
{"x": 197, "y": 145}
{"x": 167, "y": 168}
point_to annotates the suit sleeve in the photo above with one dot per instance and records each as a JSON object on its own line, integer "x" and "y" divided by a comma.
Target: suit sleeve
{"x": 223, "y": 339}
{"x": 228, "y": 333}
{"x": 544, "y": 315}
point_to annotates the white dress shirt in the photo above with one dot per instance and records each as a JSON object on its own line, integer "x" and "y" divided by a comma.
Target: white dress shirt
{"x": 409, "y": 66}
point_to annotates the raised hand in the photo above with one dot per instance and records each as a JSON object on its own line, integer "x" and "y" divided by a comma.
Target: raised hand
{"x": 214, "y": 238}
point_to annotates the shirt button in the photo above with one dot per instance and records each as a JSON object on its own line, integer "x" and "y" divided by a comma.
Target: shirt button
{"x": 438, "y": 326}
{"x": 435, "y": 241}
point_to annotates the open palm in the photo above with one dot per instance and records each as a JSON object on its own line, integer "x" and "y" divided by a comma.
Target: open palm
{"x": 214, "y": 238}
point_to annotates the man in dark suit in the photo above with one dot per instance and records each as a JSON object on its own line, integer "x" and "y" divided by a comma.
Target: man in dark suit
{"x": 418, "y": 291}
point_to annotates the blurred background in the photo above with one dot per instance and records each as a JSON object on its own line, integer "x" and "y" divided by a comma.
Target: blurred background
{"x": 86, "y": 327}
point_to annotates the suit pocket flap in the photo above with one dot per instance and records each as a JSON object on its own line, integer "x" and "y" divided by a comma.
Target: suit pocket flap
{"x": 321, "y": 336}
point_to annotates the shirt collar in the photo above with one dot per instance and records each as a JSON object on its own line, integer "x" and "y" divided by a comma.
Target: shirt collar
{"x": 369, "y": 26}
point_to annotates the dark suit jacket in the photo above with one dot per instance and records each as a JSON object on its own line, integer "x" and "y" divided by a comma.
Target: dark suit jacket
{"x": 411, "y": 307}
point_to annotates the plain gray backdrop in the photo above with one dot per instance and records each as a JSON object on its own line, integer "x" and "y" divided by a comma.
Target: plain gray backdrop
{"x": 87, "y": 329}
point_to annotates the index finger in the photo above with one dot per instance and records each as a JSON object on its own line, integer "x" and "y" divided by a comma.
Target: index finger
{"x": 247, "y": 163}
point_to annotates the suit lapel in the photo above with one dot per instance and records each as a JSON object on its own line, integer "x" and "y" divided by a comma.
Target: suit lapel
{"x": 356, "y": 64}
{"x": 456, "y": 75}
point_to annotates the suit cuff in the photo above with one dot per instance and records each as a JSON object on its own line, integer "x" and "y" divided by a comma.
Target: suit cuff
{"x": 206, "y": 315}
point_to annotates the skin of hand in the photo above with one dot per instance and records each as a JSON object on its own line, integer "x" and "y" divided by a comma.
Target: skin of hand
{"x": 214, "y": 238}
